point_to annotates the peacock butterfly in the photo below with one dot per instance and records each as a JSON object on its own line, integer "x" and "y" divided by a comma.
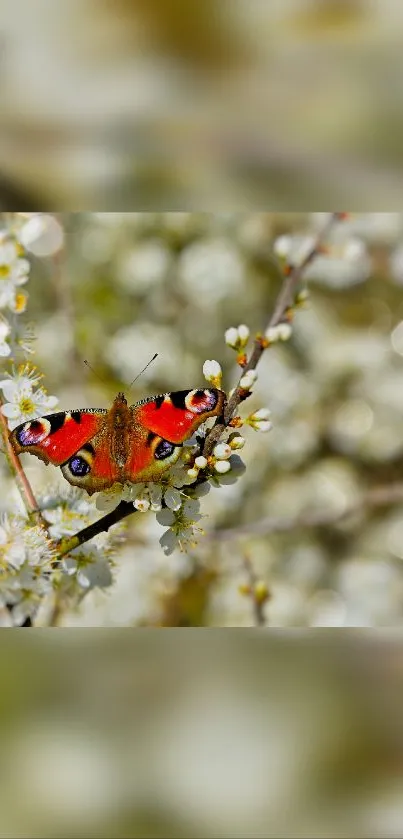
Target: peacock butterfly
{"x": 97, "y": 448}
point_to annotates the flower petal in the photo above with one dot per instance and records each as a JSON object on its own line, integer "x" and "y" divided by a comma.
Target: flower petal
{"x": 11, "y": 410}
{"x": 172, "y": 498}
{"x": 165, "y": 517}
{"x": 9, "y": 389}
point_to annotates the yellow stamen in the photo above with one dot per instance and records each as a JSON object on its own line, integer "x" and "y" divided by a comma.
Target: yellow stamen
{"x": 20, "y": 302}
{"x": 26, "y": 406}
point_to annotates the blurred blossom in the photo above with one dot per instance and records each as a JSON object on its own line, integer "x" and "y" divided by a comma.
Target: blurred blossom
{"x": 42, "y": 235}
{"x": 339, "y": 270}
{"x": 351, "y": 422}
{"x": 144, "y": 266}
{"x": 130, "y": 348}
{"x": 97, "y": 243}
{"x": 377, "y": 228}
{"x": 212, "y": 269}
{"x": 378, "y": 584}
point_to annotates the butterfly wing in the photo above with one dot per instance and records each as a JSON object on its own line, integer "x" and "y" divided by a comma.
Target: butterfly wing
{"x": 161, "y": 425}
{"x": 96, "y": 448}
{"x": 75, "y": 440}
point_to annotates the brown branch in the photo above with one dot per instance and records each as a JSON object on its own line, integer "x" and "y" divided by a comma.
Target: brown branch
{"x": 124, "y": 509}
{"x": 382, "y": 496}
{"x": 27, "y": 495}
{"x": 284, "y": 300}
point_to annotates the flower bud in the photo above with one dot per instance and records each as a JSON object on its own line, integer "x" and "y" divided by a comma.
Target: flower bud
{"x": 212, "y": 372}
{"x": 222, "y": 466}
{"x": 222, "y": 451}
{"x": 193, "y": 473}
{"x": 201, "y": 462}
{"x": 231, "y": 337}
{"x": 261, "y": 414}
{"x": 281, "y": 332}
{"x": 237, "y": 442}
{"x": 248, "y": 379}
{"x": 243, "y": 333}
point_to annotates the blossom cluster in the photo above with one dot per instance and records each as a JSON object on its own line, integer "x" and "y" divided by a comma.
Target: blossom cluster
{"x": 30, "y": 568}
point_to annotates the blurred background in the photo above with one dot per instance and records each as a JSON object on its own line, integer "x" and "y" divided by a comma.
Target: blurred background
{"x": 166, "y": 104}
{"x": 318, "y": 513}
{"x": 144, "y": 734}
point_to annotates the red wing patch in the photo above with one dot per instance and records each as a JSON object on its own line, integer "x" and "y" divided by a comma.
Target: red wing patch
{"x": 175, "y": 416}
{"x": 92, "y": 467}
{"x": 56, "y": 437}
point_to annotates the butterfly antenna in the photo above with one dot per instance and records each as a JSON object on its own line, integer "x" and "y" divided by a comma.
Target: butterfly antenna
{"x": 144, "y": 368}
{"x": 87, "y": 364}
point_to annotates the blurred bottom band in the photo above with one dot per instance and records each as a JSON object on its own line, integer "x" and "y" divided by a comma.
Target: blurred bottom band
{"x": 201, "y": 733}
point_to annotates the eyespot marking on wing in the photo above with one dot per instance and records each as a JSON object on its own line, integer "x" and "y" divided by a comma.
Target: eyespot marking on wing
{"x": 33, "y": 432}
{"x": 79, "y": 467}
{"x": 80, "y": 464}
{"x": 199, "y": 401}
{"x": 164, "y": 449}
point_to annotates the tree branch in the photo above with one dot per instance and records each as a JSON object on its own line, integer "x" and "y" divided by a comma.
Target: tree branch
{"x": 27, "y": 495}
{"x": 293, "y": 276}
{"x": 124, "y": 509}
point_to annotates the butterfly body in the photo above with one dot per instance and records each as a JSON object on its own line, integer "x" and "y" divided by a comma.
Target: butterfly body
{"x": 97, "y": 448}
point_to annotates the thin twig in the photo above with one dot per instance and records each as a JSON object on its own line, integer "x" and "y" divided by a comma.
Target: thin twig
{"x": 284, "y": 301}
{"x": 382, "y": 496}
{"x": 257, "y": 591}
{"x": 27, "y": 495}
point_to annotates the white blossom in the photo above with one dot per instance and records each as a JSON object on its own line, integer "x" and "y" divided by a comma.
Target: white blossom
{"x": 89, "y": 566}
{"x": 181, "y": 524}
{"x": 141, "y": 504}
{"x": 23, "y": 403}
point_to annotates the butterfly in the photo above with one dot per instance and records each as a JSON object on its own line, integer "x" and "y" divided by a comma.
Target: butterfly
{"x": 97, "y": 448}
